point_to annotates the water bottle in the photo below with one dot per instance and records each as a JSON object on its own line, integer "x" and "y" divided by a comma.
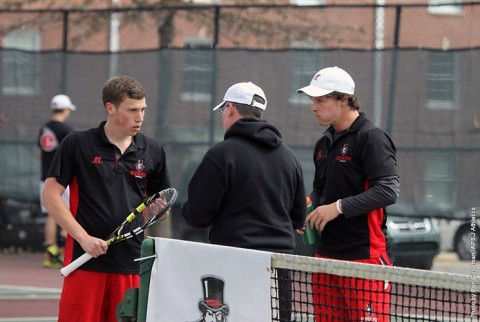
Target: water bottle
{"x": 310, "y": 236}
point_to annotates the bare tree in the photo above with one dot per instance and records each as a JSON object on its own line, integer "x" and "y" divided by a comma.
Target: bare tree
{"x": 254, "y": 26}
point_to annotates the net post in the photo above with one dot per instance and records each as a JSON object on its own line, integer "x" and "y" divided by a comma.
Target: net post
{"x": 127, "y": 309}
{"x": 148, "y": 249}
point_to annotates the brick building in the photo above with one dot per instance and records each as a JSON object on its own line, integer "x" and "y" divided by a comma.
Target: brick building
{"x": 414, "y": 65}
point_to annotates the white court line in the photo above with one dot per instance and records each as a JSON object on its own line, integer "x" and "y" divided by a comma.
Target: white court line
{"x": 44, "y": 319}
{"x": 14, "y": 292}
{"x": 44, "y": 293}
{"x": 30, "y": 288}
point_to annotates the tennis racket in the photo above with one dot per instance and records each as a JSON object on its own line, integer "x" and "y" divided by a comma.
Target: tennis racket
{"x": 142, "y": 217}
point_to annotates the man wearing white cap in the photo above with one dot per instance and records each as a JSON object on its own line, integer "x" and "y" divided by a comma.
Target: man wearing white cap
{"x": 355, "y": 179}
{"x": 249, "y": 188}
{"x": 49, "y": 137}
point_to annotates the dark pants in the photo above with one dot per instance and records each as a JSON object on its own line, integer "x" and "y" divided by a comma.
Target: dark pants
{"x": 285, "y": 294}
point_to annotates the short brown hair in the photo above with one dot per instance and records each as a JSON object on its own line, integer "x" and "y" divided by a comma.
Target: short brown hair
{"x": 119, "y": 88}
{"x": 352, "y": 99}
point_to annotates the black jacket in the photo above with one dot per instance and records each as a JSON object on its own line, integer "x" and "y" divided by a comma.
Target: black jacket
{"x": 105, "y": 186}
{"x": 360, "y": 168}
{"x": 249, "y": 188}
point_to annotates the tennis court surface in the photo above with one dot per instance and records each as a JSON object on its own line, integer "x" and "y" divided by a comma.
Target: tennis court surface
{"x": 28, "y": 291}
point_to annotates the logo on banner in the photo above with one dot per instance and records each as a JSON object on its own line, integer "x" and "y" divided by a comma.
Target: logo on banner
{"x": 212, "y": 307}
{"x": 176, "y": 286}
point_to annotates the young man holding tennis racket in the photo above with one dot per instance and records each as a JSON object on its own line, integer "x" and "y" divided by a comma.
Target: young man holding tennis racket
{"x": 249, "y": 188}
{"x": 110, "y": 170}
{"x": 355, "y": 179}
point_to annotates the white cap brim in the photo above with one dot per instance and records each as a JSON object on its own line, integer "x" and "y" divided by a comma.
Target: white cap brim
{"x": 314, "y": 91}
{"x": 218, "y": 106}
{"x": 70, "y": 107}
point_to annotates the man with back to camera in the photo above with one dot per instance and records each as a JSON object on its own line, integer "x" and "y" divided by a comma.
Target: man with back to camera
{"x": 49, "y": 138}
{"x": 355, "y": 179}
{"x": 249, "y": 188}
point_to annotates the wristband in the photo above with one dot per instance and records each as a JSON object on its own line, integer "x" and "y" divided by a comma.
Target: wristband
{"x": 338, "y": 206}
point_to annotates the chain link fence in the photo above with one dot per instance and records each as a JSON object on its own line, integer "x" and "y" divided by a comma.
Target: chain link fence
{"x": 415, "y": 68}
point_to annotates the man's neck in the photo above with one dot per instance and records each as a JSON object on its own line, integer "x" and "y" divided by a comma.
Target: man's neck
{"x": 347, "y": 121}
{"x": 120, "y": 141}
{"x": 59, "y": 117}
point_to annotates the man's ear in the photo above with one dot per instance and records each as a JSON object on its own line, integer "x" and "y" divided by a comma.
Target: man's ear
{"x": 345, "y": 99}
{"x": 109, "y": 108}
{"x": 232, "y": 110}
{"x": 228, "y": 109}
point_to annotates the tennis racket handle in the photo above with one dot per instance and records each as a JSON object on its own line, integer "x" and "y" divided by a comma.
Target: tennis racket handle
{"x": 75, "y": 264}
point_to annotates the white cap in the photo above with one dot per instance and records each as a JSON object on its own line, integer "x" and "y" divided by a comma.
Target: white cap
{"x": 243, "y": 93}
{"x": 328, "y": 80}
{"x": 60, "y": 102}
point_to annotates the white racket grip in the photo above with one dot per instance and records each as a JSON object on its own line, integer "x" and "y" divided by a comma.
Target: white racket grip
{"x": 75, "y": 264}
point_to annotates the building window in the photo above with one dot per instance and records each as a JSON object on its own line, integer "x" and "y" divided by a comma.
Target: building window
{"x": 448, "y": 9}
{"x": 20, "y": 63}
{"x": 307, "y": 2}
{"x": 306, "y": 61}
{"x": 197, "y": 71}
{"x": 440, "y": 183}
{"x": 443, "y": 81}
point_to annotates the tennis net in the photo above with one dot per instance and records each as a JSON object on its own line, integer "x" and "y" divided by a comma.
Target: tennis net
{"x": 312, "y": 289}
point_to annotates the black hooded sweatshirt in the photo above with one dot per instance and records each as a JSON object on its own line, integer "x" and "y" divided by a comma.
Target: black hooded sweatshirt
{"x": 249, "y": 188}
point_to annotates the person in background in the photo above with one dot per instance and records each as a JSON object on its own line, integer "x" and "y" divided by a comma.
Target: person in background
{"x": 249, "y": 188}
{"x": 355, "y": 179}
{"x": 110, "y": 170}
{"x": 50, "y": 136}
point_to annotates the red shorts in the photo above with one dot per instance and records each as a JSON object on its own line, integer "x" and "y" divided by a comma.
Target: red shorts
{"x": 93, "y": 296}
{"x": 340, "y": 298}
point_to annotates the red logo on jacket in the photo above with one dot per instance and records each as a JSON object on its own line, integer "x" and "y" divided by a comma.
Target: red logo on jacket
{"x": 97, "y": 160}
{"x": 138, "y": 172}
{"x": 343, "y": 157}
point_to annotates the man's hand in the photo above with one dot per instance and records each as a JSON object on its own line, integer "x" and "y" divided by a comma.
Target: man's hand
{"x": 94, "y": 246}
{"x": 321, "y": 215}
